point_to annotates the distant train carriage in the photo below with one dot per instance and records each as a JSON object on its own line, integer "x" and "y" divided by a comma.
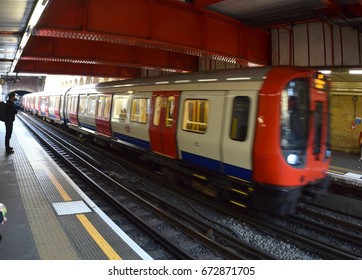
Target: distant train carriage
{"x": 263, "y": 131}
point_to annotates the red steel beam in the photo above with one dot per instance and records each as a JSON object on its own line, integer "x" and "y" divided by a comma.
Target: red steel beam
{"x": 65, "y": 68}
{"x": 331, "y": 4}
{"x": 98, "y": 52}
{"x": 205, "y": 3}
{"x": 166, "y": 25}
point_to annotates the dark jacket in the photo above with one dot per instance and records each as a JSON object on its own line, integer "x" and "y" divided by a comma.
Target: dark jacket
{"x": 10, "y": 111}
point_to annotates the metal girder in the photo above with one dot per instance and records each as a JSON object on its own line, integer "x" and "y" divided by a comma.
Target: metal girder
{"x": 331, "y": 4}
{"x": 205, "y": 3}
{"x": 98, "y": 52}
{"x": 165, "y": 25}
{"x": 65, "y": 68}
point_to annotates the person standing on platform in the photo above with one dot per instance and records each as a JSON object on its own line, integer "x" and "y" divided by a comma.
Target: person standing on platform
{"x": 9, "y": 121}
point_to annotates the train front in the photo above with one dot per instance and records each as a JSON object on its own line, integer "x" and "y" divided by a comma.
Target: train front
{"x": 291, "y": 151}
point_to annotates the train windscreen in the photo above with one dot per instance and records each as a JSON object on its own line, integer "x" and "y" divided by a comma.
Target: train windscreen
{"x": 294, "y": 115}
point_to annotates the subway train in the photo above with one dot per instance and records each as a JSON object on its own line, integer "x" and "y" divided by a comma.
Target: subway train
{"x": 254, "y": 137}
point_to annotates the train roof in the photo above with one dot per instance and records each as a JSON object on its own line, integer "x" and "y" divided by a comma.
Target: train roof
{"x": 228, "y": 75}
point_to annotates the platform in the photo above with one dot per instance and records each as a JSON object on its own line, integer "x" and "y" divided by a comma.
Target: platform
{"x": 49, "y": 217}
{"x": 346, "y": 168}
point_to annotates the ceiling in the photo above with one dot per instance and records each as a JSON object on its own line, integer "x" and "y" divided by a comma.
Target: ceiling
{"x": 14, "y": 17}
{"x": 86, "y": 37}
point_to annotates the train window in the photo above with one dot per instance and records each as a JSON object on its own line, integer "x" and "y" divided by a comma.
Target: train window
{"x": 195, "y": 115}
{"x": 82, "y": 104}
{"x": 120, "y": 107}
{"x": 107, "y": 107}
{"x": 100, "y": 107}
{"x": 139, "y": 110}
{"x": 170, "y": 106}
{"x": 158, "y": 107}
{"x": 68, "y": 104}
{"x": 318, "y": 122}
{"x": 52, "y": 101}
{"x": 294, "y": 115}
{"x": 73, "y": 104}
{"x": 57, "y": 102}
{"x": 92, "y": 104}
{"x": 43, "y": 104}
{"x": 103, "y": 107}
{"x": 240, "y": 118}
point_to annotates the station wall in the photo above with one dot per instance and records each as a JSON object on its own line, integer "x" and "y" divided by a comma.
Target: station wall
{"x": 346, "y": 108}
{"x": 316, "y": 44}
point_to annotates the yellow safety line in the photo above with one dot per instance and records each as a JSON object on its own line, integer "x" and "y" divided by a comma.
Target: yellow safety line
{"x": 93, "y": 232}
{"x": 341, "y": 170}
{"x": 98, "y": 238}
{"x": 57, "y": 185}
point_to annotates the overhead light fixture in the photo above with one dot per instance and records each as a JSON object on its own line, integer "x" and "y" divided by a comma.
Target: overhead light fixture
{"x": 239, "y": 79}
{"x": 207, "y": 80}
{"x": 325, "y": 72}
{"x": 182, "y": 81}
{"x": 355, "y": 72}
{"x": 37, "y": 13}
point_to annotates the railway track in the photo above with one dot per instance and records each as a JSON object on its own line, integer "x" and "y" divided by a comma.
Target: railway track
{"x": 181, "y": 238}
{"x": 225, "y": 243}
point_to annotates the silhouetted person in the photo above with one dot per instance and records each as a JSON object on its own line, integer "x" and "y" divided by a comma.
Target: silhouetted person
{"x": 9, "y": 121}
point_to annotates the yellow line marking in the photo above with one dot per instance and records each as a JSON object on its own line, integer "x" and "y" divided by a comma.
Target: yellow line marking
{"x": 238, "y": 179}
{"x": 57, "y": 185}
{"x": 337, "y": 169}
{"x": 199, "y": 176}
{"x": 98, "y": 238}
{"x": 337, "y": 172}
{"x": 238, "y": 203}
{"x": 239, "y": 191}
{"x": 93, "y": 232}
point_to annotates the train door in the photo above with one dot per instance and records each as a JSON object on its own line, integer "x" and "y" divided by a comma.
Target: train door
{"x": 45, "y": 106}
{"x": 34, "y": 105}
{"x": 163, "y": 122}
{"x": 61, "y": 108}
{"x": 103, "y": 123}
{"x": 87, "y": 112}
{"x": 72, "y": 110}
{"x": 238, "y": 134}
{"x": 56, "y": 107}
{"x": 320, "y": 129}
{"x": 199, "y": 133}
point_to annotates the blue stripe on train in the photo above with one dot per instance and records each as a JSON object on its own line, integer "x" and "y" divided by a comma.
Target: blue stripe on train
{"x": 201, "y": 161}
{"x": 88, "y": 126}
{"x": 132, "y": 140}
{"x": 211, "y": 164}
{"x": 238, "y": 172}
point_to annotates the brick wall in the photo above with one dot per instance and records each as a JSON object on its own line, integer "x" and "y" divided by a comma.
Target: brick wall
{"x": 343, "y": 111}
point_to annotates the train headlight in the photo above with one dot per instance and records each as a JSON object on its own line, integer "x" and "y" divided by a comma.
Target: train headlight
{"x": 293, "y": 159}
